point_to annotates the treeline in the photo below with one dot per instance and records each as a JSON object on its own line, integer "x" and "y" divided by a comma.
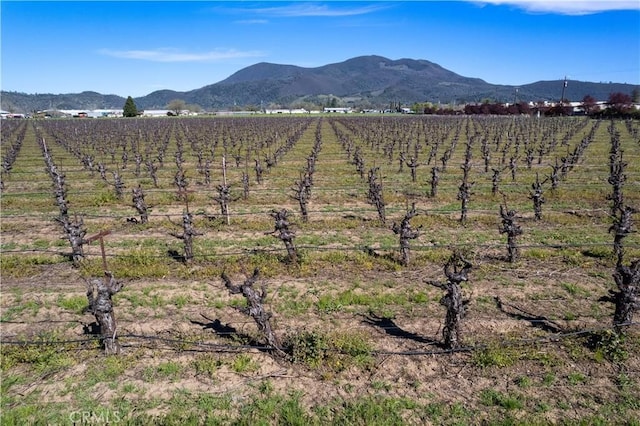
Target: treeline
{"x": 618, "y": 105}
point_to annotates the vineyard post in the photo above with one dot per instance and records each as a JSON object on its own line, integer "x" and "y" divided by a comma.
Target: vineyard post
{"x": 100, "y": 236}
{"x": 224, "y": 169}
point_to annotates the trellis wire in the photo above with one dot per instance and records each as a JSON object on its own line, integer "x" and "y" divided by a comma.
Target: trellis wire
{"x": 221, "y": 347}
{"x": 360, "y": 248}
{"x": 332, "y": 211}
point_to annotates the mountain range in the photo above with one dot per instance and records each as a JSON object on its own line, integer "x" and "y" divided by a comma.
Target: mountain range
{"x": 364, "y": 81}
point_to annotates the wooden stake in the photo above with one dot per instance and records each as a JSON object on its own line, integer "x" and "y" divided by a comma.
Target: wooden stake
{"x": 99, "y": 236}
{"x": 186, "y": 193}
{"x": 224, "y": 170}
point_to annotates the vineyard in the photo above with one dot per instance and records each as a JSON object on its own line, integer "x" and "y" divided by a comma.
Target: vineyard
{"x": 339, "y": 269}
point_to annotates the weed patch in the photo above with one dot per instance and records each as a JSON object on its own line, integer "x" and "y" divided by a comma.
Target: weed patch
{"x": 75, "y": 304}
{"x": 491, "y": 397}
{"x": 331, "y": 351}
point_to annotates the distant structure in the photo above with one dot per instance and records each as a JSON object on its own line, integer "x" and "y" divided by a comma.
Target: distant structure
{"x": 338, "y": 110}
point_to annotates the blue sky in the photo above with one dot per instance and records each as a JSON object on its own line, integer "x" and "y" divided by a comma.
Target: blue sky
{"x": 134, "y": 48}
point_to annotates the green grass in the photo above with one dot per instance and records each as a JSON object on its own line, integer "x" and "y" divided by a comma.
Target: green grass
{"x": 509, "y": 402}
{"x": 576, "y": 378}
{"x": 207, "y": 364}
{"x": 108, "y": 369}
{"x": 165, "y": 371}
{"x": 495, "y": 356}
{"x": 180, "y": 301}
{"x": 330, "y": 352}
{"x": 243, "y": 363}
{"x": 41, "y": 355}
{"x": 75, "y": 304}
{"x": 21, "y": 266}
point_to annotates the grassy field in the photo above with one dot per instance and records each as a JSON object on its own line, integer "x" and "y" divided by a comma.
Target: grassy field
{"x": 363, "y": 332}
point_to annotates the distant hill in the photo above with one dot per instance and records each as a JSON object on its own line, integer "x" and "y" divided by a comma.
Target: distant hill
{"x": 23, "y": 103}
{"x": 365, "y": 81}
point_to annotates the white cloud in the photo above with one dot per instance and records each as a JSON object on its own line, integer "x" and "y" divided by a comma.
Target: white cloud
{"x": 569, "y": 7}
{"x": 175, "y": 55}
{"x": 304, "y": 9}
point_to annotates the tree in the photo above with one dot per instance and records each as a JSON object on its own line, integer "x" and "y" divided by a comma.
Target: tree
{"x": 619, "y": 103}
{"x": 130, "y": 109}
{"x": 176, "y": 106}
{"x": 193, "y": 108}
{"x": 523, "y": 108}
{"x": 589, "y": 104}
